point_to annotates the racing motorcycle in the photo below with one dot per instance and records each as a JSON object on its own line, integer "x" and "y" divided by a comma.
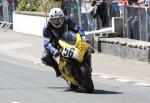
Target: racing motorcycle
{"x": 72, "y": 62}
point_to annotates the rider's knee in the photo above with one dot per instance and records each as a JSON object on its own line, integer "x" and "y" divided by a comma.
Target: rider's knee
{"x": 46, "y": 59}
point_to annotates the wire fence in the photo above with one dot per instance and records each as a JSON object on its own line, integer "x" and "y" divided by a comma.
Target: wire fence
{"x": 137, "y": 23}
{"x": 80, "y": 12}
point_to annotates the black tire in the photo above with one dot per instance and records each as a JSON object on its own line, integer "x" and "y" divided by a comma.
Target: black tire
{"x": 87, "y": 80}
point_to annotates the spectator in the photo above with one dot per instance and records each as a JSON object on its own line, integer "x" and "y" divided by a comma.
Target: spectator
{"x": 121, "y": 4}
{"x": 131, "y": 2}
{"x": 100, "y": 9}
{"x": 145, "y": 3}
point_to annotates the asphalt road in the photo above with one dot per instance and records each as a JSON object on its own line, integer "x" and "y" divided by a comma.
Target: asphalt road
{"x": 24, "y": 82}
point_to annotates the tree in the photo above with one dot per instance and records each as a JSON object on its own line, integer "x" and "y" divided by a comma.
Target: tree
{"x": 34, "y": 5}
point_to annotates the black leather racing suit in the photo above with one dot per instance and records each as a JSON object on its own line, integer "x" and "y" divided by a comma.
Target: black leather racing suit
{"x": 52, "y": 36}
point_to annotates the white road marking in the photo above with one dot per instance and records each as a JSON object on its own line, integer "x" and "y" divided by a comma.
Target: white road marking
{"x": 9, "y": 46}
{"x": 15, "y": 102}
{"x": 95, "y": 74}
{"x": 123, "y": 80}
{"x": 143, "y": 84}
{"x": 120, "y": 80}
{"x": 105, "y": 76}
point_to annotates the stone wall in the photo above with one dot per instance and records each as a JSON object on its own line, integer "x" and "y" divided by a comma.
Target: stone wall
{"x": 126, "y": 48}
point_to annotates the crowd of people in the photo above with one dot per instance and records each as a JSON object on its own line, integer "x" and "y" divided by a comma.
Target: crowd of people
{"x": 140, "y": 3}
{"x": 106, "y": 9}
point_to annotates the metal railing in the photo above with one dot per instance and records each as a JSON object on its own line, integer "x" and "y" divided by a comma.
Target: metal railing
{"x": 137, "y": 23}
{"x": 4, "y": 26}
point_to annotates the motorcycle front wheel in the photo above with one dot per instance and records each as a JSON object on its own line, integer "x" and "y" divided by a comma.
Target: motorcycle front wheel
{"x": 87, "y": 81}
{"x": 72, "y": 86}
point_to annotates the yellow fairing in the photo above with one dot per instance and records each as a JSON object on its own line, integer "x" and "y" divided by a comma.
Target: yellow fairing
{"x": 63, "y": 66}
{"x": 80, "y": 45}
{"x": 81, "y": 48}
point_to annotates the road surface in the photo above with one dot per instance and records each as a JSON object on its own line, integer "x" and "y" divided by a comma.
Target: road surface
{"x": 24, "y": 82}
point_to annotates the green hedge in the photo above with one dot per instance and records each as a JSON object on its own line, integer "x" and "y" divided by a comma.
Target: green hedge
{"x": 34, "y": 5}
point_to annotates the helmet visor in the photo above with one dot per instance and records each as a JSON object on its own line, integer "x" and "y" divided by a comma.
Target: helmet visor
{"x": 57, "y": 21}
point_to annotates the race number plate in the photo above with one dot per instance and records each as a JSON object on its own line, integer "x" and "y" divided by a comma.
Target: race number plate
{"x": 70, "y": 52}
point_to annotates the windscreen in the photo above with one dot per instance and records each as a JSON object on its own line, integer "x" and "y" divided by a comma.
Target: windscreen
{"x": 69, "y": 37}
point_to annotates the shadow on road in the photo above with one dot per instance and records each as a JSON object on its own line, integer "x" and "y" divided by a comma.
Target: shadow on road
{"x": 97, "y": 91}
{"x": 57, "y": 88}
{"x": 106, "y": 92}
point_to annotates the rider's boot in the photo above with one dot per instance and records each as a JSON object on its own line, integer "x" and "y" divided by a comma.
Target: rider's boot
{"x": 58, "y": 73}
{"x": 54, "y": 65}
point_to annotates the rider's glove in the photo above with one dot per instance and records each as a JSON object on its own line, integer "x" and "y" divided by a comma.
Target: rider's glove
{"x": 81, "y": 32}
{"x": 86, "y": 39}
{"x": 54, "y": 51}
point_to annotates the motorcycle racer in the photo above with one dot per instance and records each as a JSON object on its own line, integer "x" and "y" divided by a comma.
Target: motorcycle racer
{"x": 54, "y": 28}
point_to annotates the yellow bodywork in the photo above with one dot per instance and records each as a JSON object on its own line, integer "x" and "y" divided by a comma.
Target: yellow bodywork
{"x": 81, "y": 47}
